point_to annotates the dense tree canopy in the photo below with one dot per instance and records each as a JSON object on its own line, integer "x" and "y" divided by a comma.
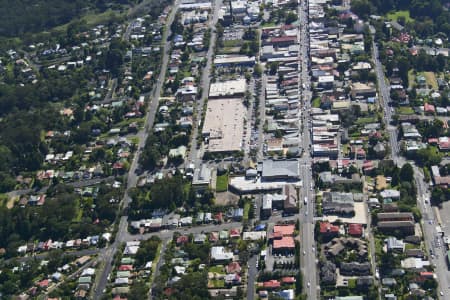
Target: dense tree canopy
{"x": 18, "y": 17}
{"x": 429, "y": 16}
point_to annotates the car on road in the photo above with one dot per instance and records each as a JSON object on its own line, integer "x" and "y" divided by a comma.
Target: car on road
{"x": 304, "y": 252}
{"x": 441, "y": 293}
{"x": 309, "y": 284}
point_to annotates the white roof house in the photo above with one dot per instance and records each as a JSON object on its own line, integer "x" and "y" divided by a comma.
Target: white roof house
{"x": 393, "y": 194}
{"x": 219, "y": 253}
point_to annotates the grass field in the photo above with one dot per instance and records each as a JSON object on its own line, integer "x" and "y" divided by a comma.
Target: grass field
{"x": 405, "y": 110}
{"x": 431, "y": 79}
{"x": 368, "y": 120}
{"x": 401, "y": 13}
{"x": 232, "y": 43}
{"x": 222, "y": 183}
{"x": 246, "y": 211}
{"x": 216, "y": 269}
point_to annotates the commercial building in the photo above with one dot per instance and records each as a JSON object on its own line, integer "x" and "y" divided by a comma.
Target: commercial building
{"x": 286, "y": 169}
{"x": 234, "y": 61}
{"x": 229, "y": 89}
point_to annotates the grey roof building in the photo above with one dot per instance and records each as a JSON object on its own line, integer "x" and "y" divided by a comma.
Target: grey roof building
{"x": 286, "y": 169}
{"x": 389, "y": 281}
{"x": 338, "y": 203}
{"x": 202, "y": 177}
{"x": 355, "y": 268}
{"x": 328, "y": 273}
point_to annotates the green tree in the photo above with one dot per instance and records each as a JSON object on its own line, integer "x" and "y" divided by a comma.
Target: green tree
{"x": 407, "y": 173}
{"x": 291, "y": 17}
{"x": 363, "y": 8}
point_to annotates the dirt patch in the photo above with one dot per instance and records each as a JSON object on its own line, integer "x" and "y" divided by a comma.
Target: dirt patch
{"x": 381, "y": 182}
{"x": 226, "y": 198}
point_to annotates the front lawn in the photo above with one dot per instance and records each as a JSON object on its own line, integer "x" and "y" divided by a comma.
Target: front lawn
{"x": 405, "y": 110}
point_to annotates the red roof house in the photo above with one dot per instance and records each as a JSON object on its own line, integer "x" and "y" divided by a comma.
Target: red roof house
{"x": 235, "y": 233}
{"x": 355, "y": 229}
{"x": 233, "y": 267}
{"x": 43, "y": 283}
{"x": 272, "y": 284}
{"x": 182, "y": 239}
{"x": 284, "y": 229}
{"x": 285, "y": 243}
{"x": 288, "y": 280}
{"x": 326, "y": 227}
{"x": 329, "y": 230}
{"x": 126, "y": 268}
{"x": 433, "y": 141}
{"x": 427, "y": 274}
{"x": 429, "y": 108}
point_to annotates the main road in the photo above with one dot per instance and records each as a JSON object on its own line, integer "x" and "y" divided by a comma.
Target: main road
{"x": 429, "y": 219}
{"x": 194, "y": 153}
{"x": 306, "y": 213}
{"x": 108, "y": 254}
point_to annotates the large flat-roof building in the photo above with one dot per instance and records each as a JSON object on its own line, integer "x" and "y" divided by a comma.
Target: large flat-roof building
{"x": 229, "y": 89}
{"x": 224, "y": 125}
{"x": 234, "y": 60}
{"x": 285, "y": 169}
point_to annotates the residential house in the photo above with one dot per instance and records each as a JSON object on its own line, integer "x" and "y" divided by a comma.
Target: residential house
{"x": 219, "y": 254}
{"x": 395, "y": 245}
